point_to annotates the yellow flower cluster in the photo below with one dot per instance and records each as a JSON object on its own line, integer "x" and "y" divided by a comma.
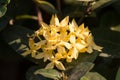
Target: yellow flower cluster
{"x": 61, "y": 41}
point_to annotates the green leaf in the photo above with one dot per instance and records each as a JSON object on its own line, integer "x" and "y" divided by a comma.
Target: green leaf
{"x": 118, "y": 74}
{"x": 102, "y": 3}
{"x": 16, "y": 37}
{"x": 3, "y": 7}
{"x": 26, "y": 17}
{"x": 80, "y": 70}
{"x": 92, "y": 76}
{"x": 48, "y": 7}
{"x": 3, "y": 10}
{"x": 31, "y": 76}
{"x": 49, "y": 73}
{"x": 84, "y": 57}
{"x": 4, "y": 2}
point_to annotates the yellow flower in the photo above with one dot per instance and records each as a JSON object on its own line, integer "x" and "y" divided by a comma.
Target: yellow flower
{"x": 33, "y": 47}
{"x": 55, "y": 62}
{"x": 61, "y": 41}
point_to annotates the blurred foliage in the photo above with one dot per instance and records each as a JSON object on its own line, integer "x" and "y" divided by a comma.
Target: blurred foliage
{"x": 92, "y": 76}
{"x": 3, "y": 8}
{"x": 118, "y": 74}
{"x": 101, "y": 16}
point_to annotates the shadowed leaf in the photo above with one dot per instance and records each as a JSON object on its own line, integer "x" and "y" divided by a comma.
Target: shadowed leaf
{"x": 48, "y": 7}
{"x": 92, "y": 76}
{"x": 80, "y": 70}
{"x": 3, "y": 10}
{"x": 49, "y": 73}
{"x": 31, "y": 76}
{"x": 118, "y": 74}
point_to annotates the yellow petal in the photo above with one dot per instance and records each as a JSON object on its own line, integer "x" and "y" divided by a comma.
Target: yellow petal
{"x": 61, "y": 49}
{"x": 59, "y": 65}
{"x": 67, "y": 45}
{"x": 56, "y": 21}
{"x": 80, "y": 46}
{"x": 95, "y": 47}
{"x": 44, "y": 25}
{"x": 69, "y": 59}
{"x": 39, "y": 56}
{"x": 52, "y": 21}
{"x": 58, "y": 56}
{"x": 71, "y": 27}
{"x": 31, "y": 43}
{"x": 74, "y": 23}
{"x": 64, "y": 22}
{"x": 81, "y": 27}
{"x": 72, "y": 39}
{"x": 89, "y": 49}
{"x": 33, "y": 53}
{"x": 75, "y": 53}
{"x": 26, "y": 53}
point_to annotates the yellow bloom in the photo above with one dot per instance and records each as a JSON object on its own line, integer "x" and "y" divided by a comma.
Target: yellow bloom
{"x": 33, "y": 47}
{"x": 61, "y": 41}
{"x": 55, "y": 62}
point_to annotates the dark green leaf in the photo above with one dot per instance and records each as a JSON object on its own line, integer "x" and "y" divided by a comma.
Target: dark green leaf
{"x": 4, "y": 2}
{"x": 48, "y": 7}
{"x": 16, "y": 37}
{"x": 118, "y": 74}
{"x": 3, "y": 10}
{"x": 3, "y": 7}
{"x": 92, "y": 76}
{"x": 106, "y": 37}
{"x": 80, "y": 70}
{"x": 83, "y": 57}
{"x": 49, "y": 73}
{"x": 3, "y": 23}
{"x": 102, "y": 3}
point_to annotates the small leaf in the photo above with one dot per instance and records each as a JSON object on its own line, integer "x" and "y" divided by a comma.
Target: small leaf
{"x": 80, "y": 70}
{"x": 48, "y": 7}
{"x": 49, "y": 73}
{"x": 92, "y": 76}
{"x": 3, "y": 10}
{"x": 118, "y": 74}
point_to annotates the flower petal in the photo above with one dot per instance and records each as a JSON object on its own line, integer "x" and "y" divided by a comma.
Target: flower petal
{"x": 64, "y": 22}
{"x": 72, "y": 39}
{"x": 59, "y": 65}
{"x": 75, "y": 53}
{"x": 31, "y": 43}
{"x": 26, "y": 53}
{"x": 67, "y": 45}
{"x": 39, "y": 56}
{"x": 74, "y": 23}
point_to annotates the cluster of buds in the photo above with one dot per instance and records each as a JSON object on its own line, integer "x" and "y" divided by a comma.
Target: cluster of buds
{"x": 60, "y": 41}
